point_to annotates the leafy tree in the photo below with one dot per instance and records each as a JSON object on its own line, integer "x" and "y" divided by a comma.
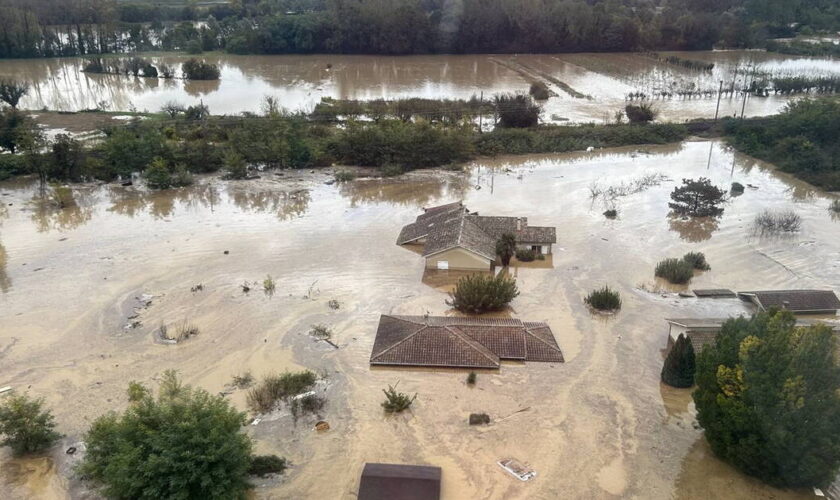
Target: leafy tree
{"x": 767, "y": 397}
{"x": 12, "y": 92}
{"x": 697, "y": 198}
{"x": 194, "y": 69}
{"x": 506, "y": 248}
{"x": 517, "y": 110}
{"x": 678, "y": 369}
{"x": 131, "y": 149}
{"x": 641, "y": 113}
{"x": 184, "y": 444}
{"x": 235, "y": 166}
{"x": 480, "y": 293}
{"x": 68, "y": 158}
{"x": 26, "y": 426}
{"x": 14, "y": 126}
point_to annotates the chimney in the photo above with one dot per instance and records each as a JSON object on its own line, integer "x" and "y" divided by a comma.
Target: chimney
{"x": 519, "y": 223}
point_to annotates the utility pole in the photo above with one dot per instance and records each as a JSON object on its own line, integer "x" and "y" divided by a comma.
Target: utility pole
{"x": 480, "y": 110}
{"x": 746, "y": 91}
{"x": 720, "y": 92}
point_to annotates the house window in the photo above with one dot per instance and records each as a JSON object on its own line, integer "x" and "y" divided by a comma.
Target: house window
{"x": 537, "y": 249}
{"x": 443, "y": 264}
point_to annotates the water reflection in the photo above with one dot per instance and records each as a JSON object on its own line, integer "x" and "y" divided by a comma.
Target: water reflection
{"x": 417, "y": 193}
{"x": 5, "y": 280}
{"x": 61, "y": 209}
{"x": 693, "y": 229}
{"x": 284, "y": 204}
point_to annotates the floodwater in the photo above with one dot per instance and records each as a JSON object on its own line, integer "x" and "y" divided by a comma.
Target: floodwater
{"x": 299, "y": 82}
{"x": 598, "y": 426}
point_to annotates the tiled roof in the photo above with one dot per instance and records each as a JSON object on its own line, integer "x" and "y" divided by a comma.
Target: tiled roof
{"x": 399, "y": 482}
{"x": 794, "y": 300}
{"x": 461, "y": 342}
{"x": 451, "y": 225}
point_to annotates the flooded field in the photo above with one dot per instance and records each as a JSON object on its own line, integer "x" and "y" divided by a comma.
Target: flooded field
{"x": 299, "y": 82}
{"x": 599, "y": 425}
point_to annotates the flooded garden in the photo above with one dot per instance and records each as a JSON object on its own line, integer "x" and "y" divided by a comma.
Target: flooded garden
{"x": 84, "y": 290}
{"x": 583, "y": 87}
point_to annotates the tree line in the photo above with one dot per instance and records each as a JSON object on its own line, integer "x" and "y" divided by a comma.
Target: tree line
{"x": 56, "y": 27}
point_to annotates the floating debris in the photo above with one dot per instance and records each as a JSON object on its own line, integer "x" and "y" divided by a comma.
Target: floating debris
{"x": 517, "y": 469}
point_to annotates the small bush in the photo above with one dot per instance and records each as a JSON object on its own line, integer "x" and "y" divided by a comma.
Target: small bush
{"x": 262, "y": 465}
{"x": 678, "y": 369}
{"x": 25, "y": 425}
{"x": 181, "y": 177}
{"x": 604, "y": 299}
{"x": 395, "y": 402}
{"x": 479, "y": 419}
{"x": 768, "y": 222}
{"x": 269, "y": 285}
{"x": 306, "y": 405}
{"x": 320, "y": 332}
{"x": 181, "y": 332}
{"x": 611, "y": 213}
{"x": 273, "y": 388}
{"x": 234, "y": 166}
{"x": 471, "y": 378}
{"x": 676, "y": 271}
{"x": 697, "y": 261}
{"x": 517, "y": 111}
{"x": 736, "y": 188}
{"x": 525, "y": 255}
{"x": 834, "y": 207}
{"x": 243, "y": 381}
{"x": 136, "y": 391}
{"x": 480, "y": 293}
{"x": 539, "y": 91}
{"x": 392, "y": 170}
{"x": 344, "y": 176}
{"x": 641, "y": 113}
{"x": 157, "y": 175}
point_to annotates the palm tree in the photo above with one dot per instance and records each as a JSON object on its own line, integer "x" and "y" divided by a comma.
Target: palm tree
{"x": 506, "y": 247}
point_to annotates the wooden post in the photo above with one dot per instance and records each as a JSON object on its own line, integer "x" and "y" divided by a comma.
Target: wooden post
{"x": 720, "y": 92}
{"x": 480, "y": 110}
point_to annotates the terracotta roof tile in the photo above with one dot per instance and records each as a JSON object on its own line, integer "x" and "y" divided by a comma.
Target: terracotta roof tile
{"x": 795, "y": 300}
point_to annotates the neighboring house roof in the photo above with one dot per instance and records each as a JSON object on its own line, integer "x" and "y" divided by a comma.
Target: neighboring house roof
{"x": 399, "y": 482}
{"x": 441, "y": 341}
{"x": 451, "y": 225}
{"x": 802, "y": 301}
{"x": 713, "y": 292}
{"x": 703, "y": 331}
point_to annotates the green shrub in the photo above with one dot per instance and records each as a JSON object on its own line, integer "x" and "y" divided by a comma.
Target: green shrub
{"x": 391, "y": 170}
{"x": 506, "y": 248}
{"x": 539, "y": 91}
{"x": 611, "y": 213}
{"x": 736, "y": 188}
{"x": 396, "y": 402}
{"x": 194, "y": 69}
{"x": 525, "y": 255}
{"x": 676, "y": 271}
{"x": 834, "y": 207}
{"x": 471, "y": 378}
{"x": 480, "y": 293}
{"x": 697, "y": 198}
{"x": 136, "y": 391}
{"x": 25, "y": 425}
{"x": 184, "y": 444}
{"x": 235, "y": 166}
{"x": 767, "y": 399}
{"x": 678, "y": 369}
{"x": 697, "y": 261}
{"x": 263, "y": 465}
{"x": 157, "y": 174}
{"x": 181, "y": 177}
{"x": 274, "y": 388}
{"x": 344, "y": 176}
{"x": 517, "y": 110}
{"x": 641, "y": 113}
{"x": 604, "y": 299}
{"x": 10, "y": 166}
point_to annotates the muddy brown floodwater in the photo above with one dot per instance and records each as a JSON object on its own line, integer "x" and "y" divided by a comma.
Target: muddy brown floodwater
{"x": 598, "y": 426}
{"x": 299, "y": 82}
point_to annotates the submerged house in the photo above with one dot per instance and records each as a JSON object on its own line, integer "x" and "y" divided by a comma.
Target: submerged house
{"x": 796, "y": 301}
{"x": 399, "y": 482}
{"x": 703, "y": 331}
{"x": 454, "y": 238}
{"x": 453, "y": 342}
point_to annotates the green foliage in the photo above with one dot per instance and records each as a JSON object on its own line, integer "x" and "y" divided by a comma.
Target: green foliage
{"x": 10, "y": 166}
{"x": 136, "y": 391}
{"x": 516, "y": 110}
{"x": 14, "y": 129}
{"x": 391, "y": 170}
{"x": 767, "y": 398}
{"x": 471, "y": 378}
{"x": 263, "y": 465}
{"x": 506, "y": 248}
{"x": 184, "y": 444}
{"x": 480, "y": 293}
{"x": 678, "y": 369}
{"x": 737, "y": 188}
{"x": 604, "y": 299}
{"x": 396, "y": 402}
{"x": 25, "y": 425}
{"x": 194, "y": 69}
{"x": 697, "y": 198}
{"x": 157, "y": 174}
{"x": 525, "y": 255}
{"x": 697, "y": 260}
{"x": 68, "y": 158}
{"x": 539, "y": 91}
{"x": 676, "y": 271}
{"x": 640, "y": 113}
{"x": 11, "y": 92}
{"x": 801, "y": 140}
{"x": 344, "y": 176}
{"x": 274, "y": 388}
{"x": 269, "y": 285}
{"x": 834, "y": 207}
{"x": 234, "y": 166}
{"x": 131, "y": 149}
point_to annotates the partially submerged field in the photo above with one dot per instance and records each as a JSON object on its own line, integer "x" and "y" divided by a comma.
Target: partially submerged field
{"x": 597, "y": 426}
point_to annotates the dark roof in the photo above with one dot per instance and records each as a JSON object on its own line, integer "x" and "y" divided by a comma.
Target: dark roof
{"x": 794, "y": 300}
{"x": 451, "y": 225}
{"x": 440, "y": 341}
{"x": 713, "y": 292}
{"x": 399, "y": 482}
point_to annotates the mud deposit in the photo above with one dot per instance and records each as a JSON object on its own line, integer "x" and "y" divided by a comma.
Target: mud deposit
{"x": 585, "y": 87}
{"x": 598, "y": 426}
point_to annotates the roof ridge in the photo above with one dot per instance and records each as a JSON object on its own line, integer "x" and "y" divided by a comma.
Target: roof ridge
{"x": 552, "y": 346}
{"x": 478, "y": 346}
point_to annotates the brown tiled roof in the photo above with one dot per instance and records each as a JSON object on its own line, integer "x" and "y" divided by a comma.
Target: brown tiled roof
{"x": 448, "y": 226}
{"x": 399, "y": 482}
{"x": 794, "y": 300}
{"x": 440, "y": 341}
{"x": 713, "y": 292}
